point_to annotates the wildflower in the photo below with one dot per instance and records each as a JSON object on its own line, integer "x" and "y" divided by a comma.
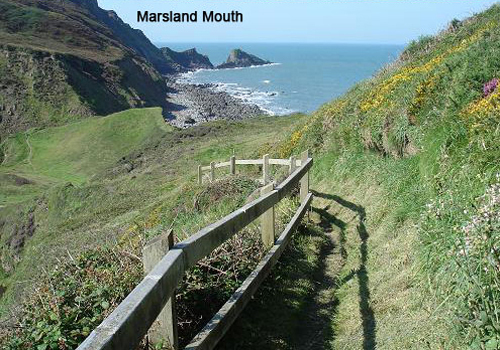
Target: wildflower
{"x": 490, "y": 87}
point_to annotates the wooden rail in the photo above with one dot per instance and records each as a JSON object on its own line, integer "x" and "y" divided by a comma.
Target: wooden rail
{"x": 127, "y": 325}
{"x": 292, "y": 164}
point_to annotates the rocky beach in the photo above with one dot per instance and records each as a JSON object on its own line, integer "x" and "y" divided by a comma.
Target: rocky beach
{"x": 192, "y": 104}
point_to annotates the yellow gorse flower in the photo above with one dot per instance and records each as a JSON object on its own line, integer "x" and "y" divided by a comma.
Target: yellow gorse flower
{"x": 381, "y": 94}
{"x": 480, "y": 113}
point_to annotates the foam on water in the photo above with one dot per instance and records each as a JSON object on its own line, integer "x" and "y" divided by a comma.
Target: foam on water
{"x": 266, "y": 100}
{"x": 307, "y": 76}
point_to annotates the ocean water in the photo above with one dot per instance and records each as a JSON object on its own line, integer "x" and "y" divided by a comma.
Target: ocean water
{"x": 302, "y": 78}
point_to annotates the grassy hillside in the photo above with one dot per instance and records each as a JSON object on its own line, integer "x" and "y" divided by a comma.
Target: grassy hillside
{"x": 76, "y": 151}
{"x": 408, "y": 163}
{"x": 62, "y": 61}
{"x": 113, "y": 181}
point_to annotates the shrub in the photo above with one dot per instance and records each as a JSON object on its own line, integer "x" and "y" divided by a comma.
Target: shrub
{"x": 74, "y": 299}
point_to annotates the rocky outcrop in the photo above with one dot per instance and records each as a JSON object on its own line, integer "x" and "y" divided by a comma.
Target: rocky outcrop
{"x": 239, "y": 58}
{"x": 186, "y": 60}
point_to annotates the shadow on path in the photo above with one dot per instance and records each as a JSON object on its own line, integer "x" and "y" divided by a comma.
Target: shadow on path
{"x": 293, "y": 308}
{"x": 367, "y": 315}
{"x": 316, "y": 332}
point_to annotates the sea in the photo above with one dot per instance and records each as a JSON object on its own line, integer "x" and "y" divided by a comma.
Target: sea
{"x": 301, "y": 78}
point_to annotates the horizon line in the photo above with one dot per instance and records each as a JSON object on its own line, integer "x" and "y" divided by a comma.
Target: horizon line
{"x": 277, "y": 42}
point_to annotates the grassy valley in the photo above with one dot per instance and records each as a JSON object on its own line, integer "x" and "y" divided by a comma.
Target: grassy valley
{"x": 113, "y": 182}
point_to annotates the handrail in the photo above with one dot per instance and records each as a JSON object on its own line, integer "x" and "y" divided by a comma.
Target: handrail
{"x": 292, "y": 164}
{"x": 126, "y": 326}
{"x": 272, "y": 161}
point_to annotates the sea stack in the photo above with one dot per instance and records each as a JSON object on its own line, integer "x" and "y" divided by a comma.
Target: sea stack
{"x": 239, "y": 58}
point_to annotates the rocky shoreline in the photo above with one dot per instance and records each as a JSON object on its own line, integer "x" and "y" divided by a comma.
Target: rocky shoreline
{"x": 192, "y": 104}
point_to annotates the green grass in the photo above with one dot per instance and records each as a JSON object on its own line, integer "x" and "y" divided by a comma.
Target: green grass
{"x": 115, "y": 179}
{"x": 416, "y": 150}
{"x": 76, "y": 151}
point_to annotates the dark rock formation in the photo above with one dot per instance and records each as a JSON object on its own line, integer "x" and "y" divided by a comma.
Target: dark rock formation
{"x": 186, "y": 60}
{"x": 239, "y": 58}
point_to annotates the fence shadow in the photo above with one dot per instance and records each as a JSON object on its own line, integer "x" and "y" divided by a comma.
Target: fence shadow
{"x": 367, "y": 314}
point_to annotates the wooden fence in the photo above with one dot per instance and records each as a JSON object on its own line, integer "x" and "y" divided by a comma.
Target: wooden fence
{"x": 292, "y": 164}
{"x": 151, "y": 303}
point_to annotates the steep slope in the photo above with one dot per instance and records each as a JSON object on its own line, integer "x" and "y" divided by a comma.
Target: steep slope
{"x": 66, "y": 60}
{"x": 77, "y": 27}
{"x": 416, "y": 149}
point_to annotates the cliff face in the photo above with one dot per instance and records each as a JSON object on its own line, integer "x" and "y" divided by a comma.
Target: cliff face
{"x": 239, "y": 58}
{"x": 66, "y": 60}
{"x": 186, "y": 60}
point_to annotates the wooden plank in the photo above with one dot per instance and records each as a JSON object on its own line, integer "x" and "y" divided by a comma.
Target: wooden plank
{"x": 249, "y": 162}
{"x": 304, "y": 182}
{"x": 215, "y": 329}
{"x": 212, "y": 171}
{"x": 252, "y": 162}
{"x": 265, "y": 169}
{"x": 164, "y": 329}
{"x": 286, "y": 186}
{"x": 279, "y": 161}
{"x": 292, "y": 165}
{"x": 232, "y": 165}
{"x": 207, "y": 239}
{"x": 267, "y": 220}
{"x": 126, "y": 326}
{"x": 222, "y": 165}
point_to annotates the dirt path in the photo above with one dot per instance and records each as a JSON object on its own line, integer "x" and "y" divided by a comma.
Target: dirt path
{"x": 297, "y": 305}
{"x": 316, "y": 331}
{"x": 349, "y": 219}
{"x": 30, "y": 150}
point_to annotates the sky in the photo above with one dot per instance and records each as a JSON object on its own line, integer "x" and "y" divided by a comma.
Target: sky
{"x": 307, "y": 21}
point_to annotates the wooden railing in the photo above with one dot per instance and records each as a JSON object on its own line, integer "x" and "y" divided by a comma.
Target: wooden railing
{"x": 152, "y": 299}
{"x": 292, "y": 164}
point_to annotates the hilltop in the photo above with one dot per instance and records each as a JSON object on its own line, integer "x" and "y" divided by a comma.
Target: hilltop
{"x": 66, "y": 60}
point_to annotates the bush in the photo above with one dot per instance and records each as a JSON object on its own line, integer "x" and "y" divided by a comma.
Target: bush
{"x": 74, "y": 299}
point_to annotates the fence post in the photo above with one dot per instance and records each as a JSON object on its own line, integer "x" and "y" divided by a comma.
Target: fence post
{"x": 212, "y": 171}
{"x": 200, "y": 175}
{"x": 304, "y": 183}
{"x": 164, "y": 329}
{"x": 293, "y": 164}
{"x": 232, "y": 165}
{"x": 267, "y": 220}
{"x": 265, "y": 169}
